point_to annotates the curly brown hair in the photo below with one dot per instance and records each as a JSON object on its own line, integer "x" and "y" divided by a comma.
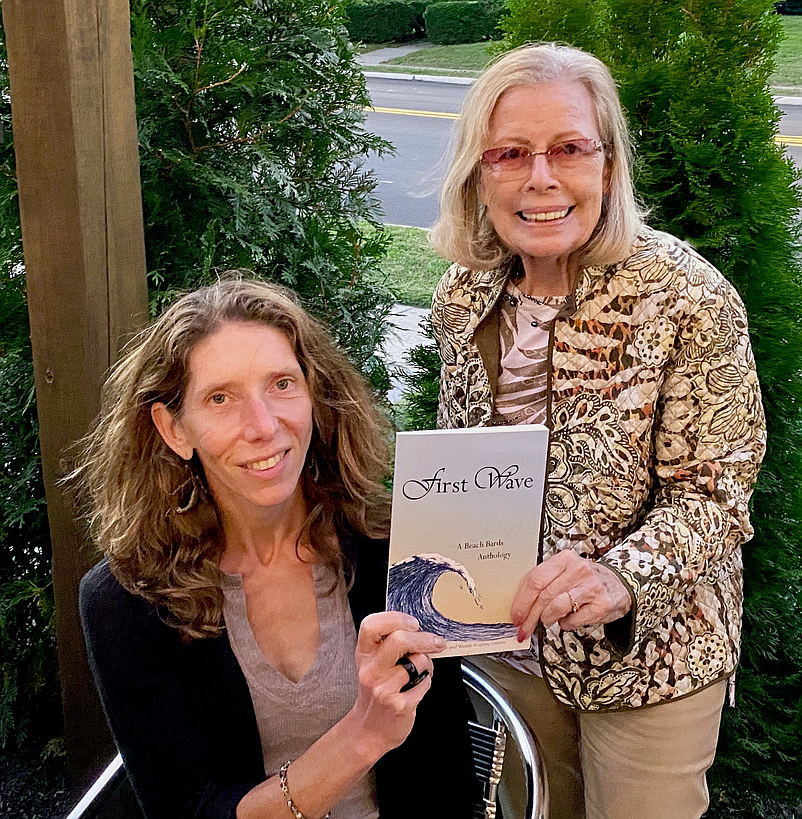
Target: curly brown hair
{"x": 134, "y": 483}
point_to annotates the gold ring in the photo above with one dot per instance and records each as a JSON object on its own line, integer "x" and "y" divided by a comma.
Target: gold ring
{"x": 574, "y": 607}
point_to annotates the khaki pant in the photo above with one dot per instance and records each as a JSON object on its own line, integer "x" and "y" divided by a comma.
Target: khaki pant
{"x": 647, "y": 763}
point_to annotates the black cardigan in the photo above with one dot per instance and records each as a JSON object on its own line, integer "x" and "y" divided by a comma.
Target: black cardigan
{"x": 182, "y": 718}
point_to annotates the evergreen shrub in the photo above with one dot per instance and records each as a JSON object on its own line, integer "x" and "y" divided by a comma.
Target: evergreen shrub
{"x": 384, "y": 21}
{"x": 463, "y": 21}
{"x": 423, "y": 379}
{"x": 251, "y": 132}
{"x": 260, "y": 166}
{"x": 577, "y": 22}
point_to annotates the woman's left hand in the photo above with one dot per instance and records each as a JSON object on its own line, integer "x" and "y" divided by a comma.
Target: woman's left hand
{"x": 571, "y": 591}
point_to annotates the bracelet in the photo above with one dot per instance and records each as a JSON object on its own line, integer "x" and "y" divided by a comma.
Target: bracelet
{"x": 282, "y": 780}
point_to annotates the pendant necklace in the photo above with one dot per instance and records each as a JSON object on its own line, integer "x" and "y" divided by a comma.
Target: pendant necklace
{"x": 516, "y": 298}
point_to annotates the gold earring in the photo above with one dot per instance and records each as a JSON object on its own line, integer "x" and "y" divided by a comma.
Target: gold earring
{"x": 194, "y": 495}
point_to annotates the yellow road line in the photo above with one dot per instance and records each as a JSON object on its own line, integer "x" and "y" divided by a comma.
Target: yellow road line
{"x": 410, "y": 113}
{"x": 793, "y": 141}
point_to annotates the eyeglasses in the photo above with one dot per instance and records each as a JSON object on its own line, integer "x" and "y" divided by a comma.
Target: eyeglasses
{"x": 562, "y": 155}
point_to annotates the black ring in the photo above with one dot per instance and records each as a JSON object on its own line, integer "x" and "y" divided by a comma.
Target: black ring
{"x": 415, "y": 677}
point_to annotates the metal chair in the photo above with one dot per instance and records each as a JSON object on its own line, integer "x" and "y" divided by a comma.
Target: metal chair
{"x": 102, "y": 790}
{"x": 499, "y": 724}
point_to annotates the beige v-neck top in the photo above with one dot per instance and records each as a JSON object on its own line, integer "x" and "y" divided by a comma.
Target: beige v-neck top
{"x": 291, "y": 716}
{"x": 524, "y": 326}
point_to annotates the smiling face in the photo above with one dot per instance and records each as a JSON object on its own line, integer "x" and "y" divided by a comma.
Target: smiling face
{"x": 548, "y": 212}
{"x": 247, "y": 413}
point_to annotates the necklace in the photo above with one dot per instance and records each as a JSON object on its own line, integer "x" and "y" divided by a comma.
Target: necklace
{"x": 516, "y": 299}
{"x": 514, "y": 302}
{"x": 521, "y": 295}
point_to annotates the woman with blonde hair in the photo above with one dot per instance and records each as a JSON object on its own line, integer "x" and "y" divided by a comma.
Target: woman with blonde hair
{"x": 236, "y": 625}
{"x": 564, "y": 308}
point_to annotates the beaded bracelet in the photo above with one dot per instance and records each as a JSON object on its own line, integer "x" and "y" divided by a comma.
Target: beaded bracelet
{"x": 282, "y": 780}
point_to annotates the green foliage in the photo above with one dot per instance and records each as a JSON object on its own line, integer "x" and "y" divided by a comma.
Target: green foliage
{"x": 578, "y": 22}
{"x": 29, "y": 705}
{"x": 251, "y": 132}
{"x": 384, "y": 21}
{"x": 250, "y": 117}
{"x": 423, "y": 378}
{"x": 462, "y": 21}
{"x": 694, "y": 80}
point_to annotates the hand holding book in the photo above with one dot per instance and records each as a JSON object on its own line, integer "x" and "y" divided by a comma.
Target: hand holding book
{"x": 571, "y": 591}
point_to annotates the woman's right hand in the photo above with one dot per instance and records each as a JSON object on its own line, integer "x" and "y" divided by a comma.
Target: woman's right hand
{"x": 380, "y": 720}
{"x": 383, "y": 714}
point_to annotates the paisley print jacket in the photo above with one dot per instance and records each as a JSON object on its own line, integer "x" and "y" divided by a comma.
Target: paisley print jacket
{"x": 657, "y": 434}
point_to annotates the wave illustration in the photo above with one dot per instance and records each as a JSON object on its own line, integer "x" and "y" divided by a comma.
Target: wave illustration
{"x": 410, "y": 590}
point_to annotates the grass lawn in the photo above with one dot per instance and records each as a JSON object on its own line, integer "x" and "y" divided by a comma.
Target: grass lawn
{"x": 411, "y": 268}
{"x": 788, "y": 68}
{"x": 467, "y": 57}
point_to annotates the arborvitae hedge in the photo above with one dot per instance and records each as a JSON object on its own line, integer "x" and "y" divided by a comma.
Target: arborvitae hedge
{"x": 463, "y": 21}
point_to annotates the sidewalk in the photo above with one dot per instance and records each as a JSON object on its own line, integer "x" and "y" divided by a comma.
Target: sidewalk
{"x": 382, "y": 55}
{"x": 404, "y": 333}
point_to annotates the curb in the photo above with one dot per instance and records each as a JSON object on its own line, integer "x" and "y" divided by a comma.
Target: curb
{"x": 425, "y": 78}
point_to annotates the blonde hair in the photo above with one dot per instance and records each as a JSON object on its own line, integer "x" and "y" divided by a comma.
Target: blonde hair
{"x": 463, "y": 233}
{"x": 134, "y": 483}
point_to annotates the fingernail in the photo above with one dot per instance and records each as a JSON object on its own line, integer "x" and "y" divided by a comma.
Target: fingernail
{"x": 521, "y": 635}
{"x": 439, "y": 643}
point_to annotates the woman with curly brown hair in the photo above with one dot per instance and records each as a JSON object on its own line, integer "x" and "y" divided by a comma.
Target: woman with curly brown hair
{"x": 235, "y": 627}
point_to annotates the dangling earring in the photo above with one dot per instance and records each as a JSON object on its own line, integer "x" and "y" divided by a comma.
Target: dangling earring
{"x": 311, "y": 465}
{"x": 195, "y": 494}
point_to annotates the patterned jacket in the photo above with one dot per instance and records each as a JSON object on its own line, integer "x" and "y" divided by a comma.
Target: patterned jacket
{"x": 657, "y": 434}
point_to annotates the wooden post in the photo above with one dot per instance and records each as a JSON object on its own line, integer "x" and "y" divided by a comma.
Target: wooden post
{"x": 74, "y": 121}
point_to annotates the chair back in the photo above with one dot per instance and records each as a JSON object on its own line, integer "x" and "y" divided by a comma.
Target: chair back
{"x": 498, "y": 724}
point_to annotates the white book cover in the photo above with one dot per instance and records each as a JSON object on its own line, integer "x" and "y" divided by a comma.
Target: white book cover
{"x": 466, "y": 521}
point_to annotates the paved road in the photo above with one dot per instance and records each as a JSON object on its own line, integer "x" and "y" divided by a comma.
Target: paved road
{"x": 410, "y": 180}
{"x": 417, "y": 117}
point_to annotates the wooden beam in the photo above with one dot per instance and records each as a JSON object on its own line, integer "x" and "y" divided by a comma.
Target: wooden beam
{"x": 73, "y": 114}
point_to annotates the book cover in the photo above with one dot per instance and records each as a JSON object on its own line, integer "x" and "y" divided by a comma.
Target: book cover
{"x": 465, "y": 527}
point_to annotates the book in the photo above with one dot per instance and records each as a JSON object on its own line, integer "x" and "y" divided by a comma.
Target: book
{"x": 466, "y": 520}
